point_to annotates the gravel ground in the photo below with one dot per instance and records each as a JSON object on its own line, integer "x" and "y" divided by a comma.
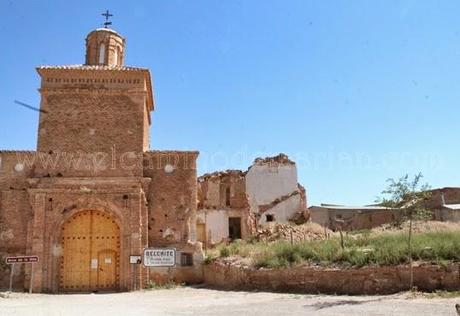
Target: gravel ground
{"x": 200, "y": 301}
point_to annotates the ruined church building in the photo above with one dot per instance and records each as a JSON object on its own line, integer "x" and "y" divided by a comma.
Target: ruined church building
{"x": 93, "y": 193}
{"x": 94, "y": 196}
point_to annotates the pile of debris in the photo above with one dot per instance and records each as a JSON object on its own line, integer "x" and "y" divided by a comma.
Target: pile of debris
{"x": 222, "y": 174}
{"x": 276, "y": 160}
{"x": 296, "y": 233}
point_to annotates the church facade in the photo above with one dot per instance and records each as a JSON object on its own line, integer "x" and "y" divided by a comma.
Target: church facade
{"x": 93, "y": 193}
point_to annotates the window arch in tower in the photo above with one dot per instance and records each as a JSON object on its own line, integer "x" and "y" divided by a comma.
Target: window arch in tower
{"x": 102, "y": 53}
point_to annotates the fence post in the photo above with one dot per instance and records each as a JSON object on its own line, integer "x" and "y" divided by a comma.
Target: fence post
{"x": 11, "y": 277}
{"x": 31, "y": 278}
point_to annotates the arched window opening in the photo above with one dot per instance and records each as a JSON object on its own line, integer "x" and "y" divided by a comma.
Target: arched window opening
{"x": 118, "y": 54}
{"x": 227, "y": 197}
{"x": 115, "y": 56}
{"x": 102, "y": 54}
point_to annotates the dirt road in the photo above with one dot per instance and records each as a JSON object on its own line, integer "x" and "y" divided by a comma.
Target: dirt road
{"x": 197, "y": 301}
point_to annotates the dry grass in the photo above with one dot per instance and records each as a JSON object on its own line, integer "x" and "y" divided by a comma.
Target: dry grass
{"x": 303, "y": 232}
{"x": 433, "y": 295}
{"x": 432, "y": 242}
{"x": 420, "y": 227}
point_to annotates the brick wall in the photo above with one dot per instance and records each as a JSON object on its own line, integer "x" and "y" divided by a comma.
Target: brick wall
{"x": 311, "y": 280}
{"x": 451, "y": 196}
{"x": 171, "y": 197}
{"x": 15, "y": 212}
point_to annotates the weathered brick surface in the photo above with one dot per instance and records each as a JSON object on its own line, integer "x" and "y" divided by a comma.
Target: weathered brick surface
{"x": 15, "y": 211}
{"x": 222, "y": 195}
{"x": 15, "y": 169}
{"x": 451, "y": 196}
{"x": 213, "y": 189}
{"x": 172, "y": 195}
{"x": 368, "y": 280}
{"x": 172, "y": 200}
{"x": 93, "y": 142}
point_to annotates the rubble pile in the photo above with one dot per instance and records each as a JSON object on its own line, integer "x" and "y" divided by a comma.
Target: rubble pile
{"x": 279, "y": 159}
{"x": 222, "y": 174}
{"x": 308, "y": 231}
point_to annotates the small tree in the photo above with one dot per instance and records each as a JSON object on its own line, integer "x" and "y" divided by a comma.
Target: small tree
{"x": 342, "y": 224}
{"x": 410, "y": 196}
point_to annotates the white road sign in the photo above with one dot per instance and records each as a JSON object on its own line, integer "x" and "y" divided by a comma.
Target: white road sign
{"x": 159, "y": 257}
{"x": 135, "y": 259}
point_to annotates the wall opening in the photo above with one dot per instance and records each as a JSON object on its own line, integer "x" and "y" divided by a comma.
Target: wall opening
{"x": 227, "y": 197}
{"x": 234, "y": 228}
{"x": 102, "y": 54}
{"x": 201, "y": 233}
{"x": 186, "y": 259}
{"x": 115, "y": 56}
{"x": 270, "y": 218}
{"x": 118, "y": 59}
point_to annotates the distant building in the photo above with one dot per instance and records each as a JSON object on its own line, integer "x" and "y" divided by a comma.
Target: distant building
{"x": 352, "y": 217}
{"x": 450, "y": 213}
{"x": 445, "y": 204}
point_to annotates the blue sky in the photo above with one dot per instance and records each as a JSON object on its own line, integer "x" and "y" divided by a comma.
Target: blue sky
{"x": 354, "y": 91}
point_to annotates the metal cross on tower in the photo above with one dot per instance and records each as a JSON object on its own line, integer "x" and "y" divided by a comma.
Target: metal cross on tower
{"x": 107, "y": 15}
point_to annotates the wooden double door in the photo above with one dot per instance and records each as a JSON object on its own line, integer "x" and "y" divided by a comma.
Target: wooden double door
{"x": 90, "y": 242}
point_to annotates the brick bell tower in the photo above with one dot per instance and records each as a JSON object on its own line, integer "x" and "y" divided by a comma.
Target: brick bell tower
{"x": 93, "y": 194}
{"x": 105, "y": 47}
{"x": 99, "y": 108}
{"x": 88, "y": 188}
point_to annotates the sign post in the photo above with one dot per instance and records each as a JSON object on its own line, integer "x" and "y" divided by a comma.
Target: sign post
{"x": 11, "y": 277}
{"x": 159, "y": 257}
{"x": 21, "y": 259}
{"x": 31, "y": 278}
{"x": 135, "y": 260}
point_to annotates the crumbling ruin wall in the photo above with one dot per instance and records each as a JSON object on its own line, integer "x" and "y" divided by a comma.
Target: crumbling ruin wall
{"x": 268, "y": 180}
{"x": 222, "y": 189}
{"x": 282, "y": 211}
{"x": 222, "y": 195}
{"x": 273, "y": 190}
{"x": 267, "y": 191}
{"x": 216, "y": 224}
{"x": 312, "y": 280}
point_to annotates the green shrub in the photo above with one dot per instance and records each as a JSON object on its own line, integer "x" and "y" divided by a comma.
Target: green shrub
{"x": 166, "y": 286}
{"x": 209, "y": 258}
{"x": 224, "y": 252}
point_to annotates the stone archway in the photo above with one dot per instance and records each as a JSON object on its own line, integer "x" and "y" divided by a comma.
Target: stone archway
{"x": 90, "y": 261}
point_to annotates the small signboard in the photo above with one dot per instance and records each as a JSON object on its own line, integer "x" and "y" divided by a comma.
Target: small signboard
{"x": 21, "y": 259}
{"x": 135, "y": 259}
{"x": 159, "y": 257}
